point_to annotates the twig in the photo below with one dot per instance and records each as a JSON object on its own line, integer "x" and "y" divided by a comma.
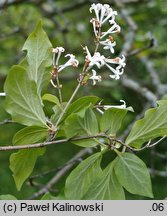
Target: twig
{"x": 61, "y": 173}
{"x": 157, "y": 172}
{"x": 3, "y": 94}
{"x": 5, "y": 35}
{"x": 7, "y": 3}
{"x": 157, "y": 154}
{"x": 41, "y": 175}
{"x": 154, "y": 144}
{"x": 139, "y": 116}
{"x": 148, "y": 46}
{"x": 6, "y": 121}
{"x": 146, "y": 93}
{"x": 148, "y": 145}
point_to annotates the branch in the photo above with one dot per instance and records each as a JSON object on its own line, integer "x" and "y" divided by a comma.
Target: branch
{"x": 139, "y": 116}
{"x": 148, "y": 145}
{"x": 61, "y": 173}
{"x": 146, "y": 93}
{"x": 6, "y": 121}
{"x": 160, "y": 88}
{"x": 79, "y": 155}
{"x": 111, "y": 140}
{"x": 41, "y": 175}
{"x": 148, "y": 46}
{"x": 40, "y": 145}
{"x": 157, "y": 172}
{"x": 7, "y": 3}
{"x": 75, "y": 5}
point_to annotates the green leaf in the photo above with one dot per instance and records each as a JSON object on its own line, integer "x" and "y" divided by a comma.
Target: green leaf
{"x": 30, "y": 135}
{"x": 106, "y": 186}
{"x": 133, "y": 174}
{"x": 55, "y": 116}
{"x": 80, "y": 104}
{"x": 154, "y": 124}
{"x": 22, "y": 100}
{"x": 111, "y": 120}
{"x": 80, "y": 179}
{"x": 39, "y": 57}
{"x": 22, "y": 164}
{"x": 7, "y": 197}
{"x": 49, "y": 196}
{"x": 75, "y": 125}
{"x": 52, "y": 98}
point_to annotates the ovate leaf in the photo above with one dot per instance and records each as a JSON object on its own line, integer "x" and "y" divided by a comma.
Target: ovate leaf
{"x": 22, "y": 164}
{"x": 111, "y": 120}
{"x": 30, "y": 135}
{"x": 106, "y": 186}
{"x": 80, "y": 179}
{"x": 154, "y": 124}
{"x": 7, "y": 197}
{"x": 52, "y": 98}
{"x": 39, "y": 57}
{"x": 75, "y": 125}
{"x": 80, "y": 104}
{"x": 49, "y": 196}
{"x": 133, "y": 174}
{"x": 22, "y": 100}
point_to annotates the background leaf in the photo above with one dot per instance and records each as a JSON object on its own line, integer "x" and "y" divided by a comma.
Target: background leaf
{"x": 154, "y": 124}
{"x": 111, "y": 120}
{"x": 22, "y": 101}
{"x": 39, "y": 57}
{"x": 133, "y": 174}
{"x": 82, "y": 176}
{"x": 106, "y": 186}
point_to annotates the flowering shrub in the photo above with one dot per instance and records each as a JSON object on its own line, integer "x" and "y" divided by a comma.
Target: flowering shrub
{"x": 86, "y": 122}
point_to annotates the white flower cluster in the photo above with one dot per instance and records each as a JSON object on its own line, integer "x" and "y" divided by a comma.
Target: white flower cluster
{"x": 104, "y": 13}
{"x": 55, "y": 62}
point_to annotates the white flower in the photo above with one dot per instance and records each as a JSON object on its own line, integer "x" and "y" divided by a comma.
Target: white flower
{"x": 113, "y": 29}
{"x": 58, "y": 51}
{"x": 106, "y": 107}
{"x": 108, "y": 44}
{"x": 103, "y": 12}
{"x": 96, "y": 25}
{"x": 123, "y": 106}
{"x": 3, "y": 94}
{"x": 97, "y": 59}
{"x": 71, "y": 62}
{"x": 119, "y": 69}
{"x": 95, "y": 78}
